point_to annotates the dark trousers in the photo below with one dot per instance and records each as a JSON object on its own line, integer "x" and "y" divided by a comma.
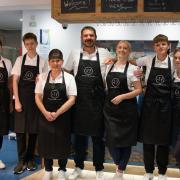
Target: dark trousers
{"x": 161, "y": 154}
{"x": 1, "y": 141}
{"x": 177, "y": 151}
{"x": 26, "y": 146}
{"x": 120, "y": 156}
{"x": 98, "y": 151}
{"x": 49, "y": 163}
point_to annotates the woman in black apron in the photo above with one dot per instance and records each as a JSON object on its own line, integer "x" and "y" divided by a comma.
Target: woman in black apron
{"x": 4, "y": 99}
{"x": 120, "y": 109}
{"x": 176, "y": 105}
{"x": 54, "y": 103}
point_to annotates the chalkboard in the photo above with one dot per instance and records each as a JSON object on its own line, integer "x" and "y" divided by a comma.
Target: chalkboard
{"x": 161, "y": 5}
{"x": 118, "y": 5}
{"x": 77, "y": 6}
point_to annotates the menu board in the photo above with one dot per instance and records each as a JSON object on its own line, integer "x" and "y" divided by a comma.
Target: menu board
{"x": 77, "y": 6}
{"x": 162, "y": 5}
{"x": 119, "y": 5}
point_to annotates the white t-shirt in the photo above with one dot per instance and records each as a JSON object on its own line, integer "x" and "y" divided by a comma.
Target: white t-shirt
{"x": 71, "y": 89}
{"x": 175, "y": 76}
{"x": 16, "y": 70}
{"x": 130, "y": 73}
{"x": 7, "y": 63}
{"x": 72, "y": 62}
{"x": 147, "y": 61}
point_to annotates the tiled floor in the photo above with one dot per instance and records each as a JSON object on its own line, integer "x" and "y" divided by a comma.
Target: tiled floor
{"x": 87, "y": 175}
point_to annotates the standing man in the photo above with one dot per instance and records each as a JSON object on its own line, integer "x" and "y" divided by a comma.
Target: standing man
{"x": 88, "y": 67}
{"x": 24, "y": 72}
{"x": 5, "y": 73}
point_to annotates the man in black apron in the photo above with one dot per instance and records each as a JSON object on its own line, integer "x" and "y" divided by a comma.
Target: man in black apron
{"x": 156, "y": 121}
{"x": 26, "y": 110}
{"x": 88, "y": 110}
{"x": 5, "y": 69}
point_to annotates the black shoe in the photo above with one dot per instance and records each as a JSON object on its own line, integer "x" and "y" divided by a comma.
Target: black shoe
{"x": 31, "y": 165}
{"x": 19, "y": 168}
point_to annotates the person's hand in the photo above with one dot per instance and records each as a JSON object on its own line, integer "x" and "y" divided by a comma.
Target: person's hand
{"x": 138, "y": 72}
{"x": 18, "y": 106}
{"x": 54, "y": 115}
{"x": 117, "y": 99}
{"x": 109, "y": 61}
{"x": 48, "y": 116}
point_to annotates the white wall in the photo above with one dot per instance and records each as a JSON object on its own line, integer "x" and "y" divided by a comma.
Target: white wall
{"x": 70, "y": 38}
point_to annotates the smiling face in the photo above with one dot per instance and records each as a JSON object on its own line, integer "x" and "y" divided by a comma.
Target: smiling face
{"x": 88, "y": 38}
{"x": 55, "y": 64}
{"x": 176, "y": 59}
{"x": 123, "y": 49}
{"x": 161, "y": 48}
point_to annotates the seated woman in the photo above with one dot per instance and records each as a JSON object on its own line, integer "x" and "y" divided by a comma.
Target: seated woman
{"x": 120, "y": 109}
{"x": 55, "y": 94}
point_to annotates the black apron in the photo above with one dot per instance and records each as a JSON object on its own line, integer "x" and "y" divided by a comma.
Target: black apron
{"x": 88, "y": 110}
{"x": 156, "y": 120}
{"x": 176, "y": 111}
{"x": 54, "y": 137}
{"x": 27, "y": 120}
{"x": 120, "y": 120}
{"x": 4, "y": 100}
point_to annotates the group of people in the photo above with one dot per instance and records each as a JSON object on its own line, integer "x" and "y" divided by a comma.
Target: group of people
{"x": 92, "y": 95}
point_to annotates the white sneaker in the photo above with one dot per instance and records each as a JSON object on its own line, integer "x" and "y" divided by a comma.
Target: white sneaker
{"x": 61, "y": 175}
{"x": 2, "y": 165}
{"x": 148, "y": 176}
{"x": 76, "y": 173}
{"x": 47, "y": 175}
{"x": 162, "y": 177}
{"x": 99, "y": 175}
{"x": 118, "y": 176}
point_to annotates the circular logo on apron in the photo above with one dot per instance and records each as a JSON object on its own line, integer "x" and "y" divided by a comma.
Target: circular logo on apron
{"x": 177, "y": 92}
{"x": 115, "y": 82}
{"x": 160, "y": 79}
{"x": 88, "y": 71}
{"x": 28, "y": 75}
{"x": 1, "y": 76}
{"x": 54, "y": 94}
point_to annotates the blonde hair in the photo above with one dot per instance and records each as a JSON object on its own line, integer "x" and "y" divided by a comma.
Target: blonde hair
{"x": 125, "y": 42}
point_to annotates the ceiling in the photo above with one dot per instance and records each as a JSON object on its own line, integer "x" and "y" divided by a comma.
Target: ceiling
{"x": 11, "y": 12}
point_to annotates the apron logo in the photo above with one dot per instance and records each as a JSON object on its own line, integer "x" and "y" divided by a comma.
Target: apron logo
{"x": 28, "y": 75}
{"x": 160, "y": 79}
{"x": 115, "y": 82}
{"x": 177, "y": 92}
{"x": 1, "y": 76}
{"x": 54, "y": 94}
{"x": 88, "y": 71}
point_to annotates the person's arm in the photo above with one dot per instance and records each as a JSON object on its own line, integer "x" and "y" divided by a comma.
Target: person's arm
{"x": 18, "y": 105}
{"x": 137, "y": 90}
{"x": 69, "y": 63}
{"x": 40, "y": 105}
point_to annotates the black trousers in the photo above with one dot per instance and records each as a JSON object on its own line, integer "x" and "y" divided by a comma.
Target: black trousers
{"x": 98, "y": 151}
{"x": 26, "y": 146}
{"x": 161, "y": 154}
{"x": 120, "y": 156}
{"x": 1, "y": 141}
{"x": 49, "y": 163}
